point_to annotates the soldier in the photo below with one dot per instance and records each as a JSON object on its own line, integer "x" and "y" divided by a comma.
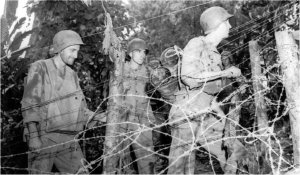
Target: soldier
{"x": 191, "y": 117}
{"x": 54, "y": 109}
{"x": 140, "y": 115}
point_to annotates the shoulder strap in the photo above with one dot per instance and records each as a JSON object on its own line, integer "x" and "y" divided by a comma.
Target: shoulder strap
{"x": 203, "y": 49}
{"x": 179, "y": 52}
{"x": 49, "y": 64}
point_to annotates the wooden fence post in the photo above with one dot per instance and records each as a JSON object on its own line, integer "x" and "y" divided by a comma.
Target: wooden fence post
{"x": 260, "y": 105}
{"x": 288, "y": 52}
{"x": 112, "y": 46}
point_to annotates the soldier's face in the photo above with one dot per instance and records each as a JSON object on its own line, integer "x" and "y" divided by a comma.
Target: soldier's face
{"x": 224, "y": 28}
{"x": 139, "y": 56}
{"x": 69, "y": 54}
{"x": 226, "y": 62}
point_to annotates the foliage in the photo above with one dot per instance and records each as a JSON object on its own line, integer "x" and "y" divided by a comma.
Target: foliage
{"x": 11, "y": 94}
{"x": 12, "y": 143}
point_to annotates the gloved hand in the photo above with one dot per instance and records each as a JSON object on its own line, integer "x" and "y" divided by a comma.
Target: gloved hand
{"x": 233, "y": 72}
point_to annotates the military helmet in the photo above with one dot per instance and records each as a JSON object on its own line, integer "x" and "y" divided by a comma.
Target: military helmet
{"x": 64, "y": 39}
{"x": 225, "y": 54}
{"x": 137, "y": 44}
{"x": 154, "y": 63}
{"x": 212, "y": 17}
{"x": 169, "y": 57}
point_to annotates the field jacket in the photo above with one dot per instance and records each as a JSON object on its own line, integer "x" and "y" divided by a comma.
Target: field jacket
{"x": 199, "y": 57}
{"x": 135, "y": 96}
{"x": 55, "y": 101}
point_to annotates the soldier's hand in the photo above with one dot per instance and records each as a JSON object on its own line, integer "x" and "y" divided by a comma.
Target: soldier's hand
{"x": 233, "y": 72}
{"x": 35, "y": 144}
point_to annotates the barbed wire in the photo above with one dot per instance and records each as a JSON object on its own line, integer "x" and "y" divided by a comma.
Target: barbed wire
{"x": 249, "y": 30}
{"x": 101, "y": 158}
{"x": 251, "y": 134}
{"x": 151, "y": 90}
{"x": 264, "y": 16}
{"x": 237, "y": 50}
{"x": 12, "y": 155}
{"x": 246, "y": 129}
{"x": 155, "y": 17}
{"x": 176, "y": 11}
{"x": 159, "y": 16}
{"x": 70, "y": 124}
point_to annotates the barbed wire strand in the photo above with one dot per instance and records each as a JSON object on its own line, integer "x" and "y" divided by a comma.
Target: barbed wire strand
{"x": 235, "y": 49}
{"x": 176, "y": 11}
{"x": 61, "y": 97}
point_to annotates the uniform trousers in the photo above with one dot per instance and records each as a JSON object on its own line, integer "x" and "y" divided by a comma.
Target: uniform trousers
{"x": 59, "y": 150}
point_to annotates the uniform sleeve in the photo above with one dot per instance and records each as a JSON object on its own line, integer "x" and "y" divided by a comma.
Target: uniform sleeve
{"x": 33, "y": 92}
{"x": 191, "y": 63}
{"x": 188, "y": 77}
{"x": 83, "y": 106}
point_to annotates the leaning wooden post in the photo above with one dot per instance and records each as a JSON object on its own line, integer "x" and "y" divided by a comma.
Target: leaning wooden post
{"x": 260, "y": 105}
{"x": 112, "y": 47}
{"x": 290, "y": 65}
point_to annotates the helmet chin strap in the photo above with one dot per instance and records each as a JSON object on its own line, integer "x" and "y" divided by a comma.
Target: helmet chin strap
{"x": 62, "y": 58}
{"x": 136, "y": 62}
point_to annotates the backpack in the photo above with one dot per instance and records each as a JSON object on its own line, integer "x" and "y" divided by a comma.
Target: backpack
{"x": 165, "y": 78}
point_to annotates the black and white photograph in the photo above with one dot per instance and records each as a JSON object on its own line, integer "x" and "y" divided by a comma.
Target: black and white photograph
{"x": 150, "y": 87}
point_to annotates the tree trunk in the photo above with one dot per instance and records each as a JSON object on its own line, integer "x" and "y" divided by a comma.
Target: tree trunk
{"x": 290, "y": 66}
{"x": 260, "y": 105}
{"x": 257, "y": 77}
{"x": 112, "y": 46}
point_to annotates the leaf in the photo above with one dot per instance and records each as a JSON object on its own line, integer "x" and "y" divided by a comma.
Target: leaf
{"x": 17, "y": 25}
{"x": 18, "y": 39}
{"x": 9, "y": 87}
{"x": 17, "y": 52}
